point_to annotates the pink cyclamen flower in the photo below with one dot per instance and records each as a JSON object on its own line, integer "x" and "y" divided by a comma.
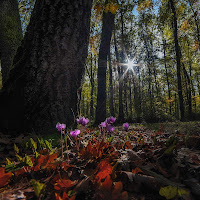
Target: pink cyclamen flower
{"x": 83, "y": 121}
{"x": 60, "y": 126}
{"x": 103, "y": 124}
{"x": 110, "y": 129}
{"x": 111, "y": 120}
{"x": 126, "y": 126}
{"x": 75, "y": 133}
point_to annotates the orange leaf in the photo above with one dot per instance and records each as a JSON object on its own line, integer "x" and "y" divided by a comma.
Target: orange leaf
{"x": 21, "y": 171}
{"x": 107, "y": 184}
{"x": 73, "y": 197}
{"x": 136, "y": 170}
{"x": 4, "y": 177}
{"x": 64, "y": 184}
{"x": 116, "y": 193}
{"x": 124, "y": 195}
{"x": 128, "y": 145}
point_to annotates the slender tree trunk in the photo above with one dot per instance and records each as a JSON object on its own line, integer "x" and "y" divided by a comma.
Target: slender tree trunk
{"x": 108, "y": 24}
{"x": 189, "y": 91}
{"x": 125, "y": 97}
{"x": 149, "y": 73}
{"x": 48, "y": 67}
{"x": 130, "y": 98}
{"x": 92, "y": 90}
{"x": 111, "y": 86}
{"x": 10, "y": 35}
{"x": 178, "y": 60}
{"x": 167, "y": 77}
{"x": 120, "y": 73}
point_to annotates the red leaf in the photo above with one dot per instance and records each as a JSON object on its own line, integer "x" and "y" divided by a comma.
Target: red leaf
{"x": 22, "y": 171}
{"x": 103, "y": 177}
{"x": 136, "y": 170}
{"x": 128, "y": 145}
{"x": 124, "y": 195}
{"x": 107, "y": 184}
{"x": 116, "y": 193}
{"x": 44, "y": 161}
{"x": 4, "y": 177}
{"x": 64, "y": 184}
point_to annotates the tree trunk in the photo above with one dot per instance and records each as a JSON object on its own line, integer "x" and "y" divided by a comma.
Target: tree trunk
{"x": 108, "y": 23}
{"x": 111, "y": 86}
{"x": 167, "y": 77}
{"x": 178, "y": 60}
{"x": 10, "y": 35}
{"x": 42, "y": 87}
{"x": 120, "y": 73}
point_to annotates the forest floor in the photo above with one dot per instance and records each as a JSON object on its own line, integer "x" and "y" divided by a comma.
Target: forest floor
{"x": 148, "y": 162}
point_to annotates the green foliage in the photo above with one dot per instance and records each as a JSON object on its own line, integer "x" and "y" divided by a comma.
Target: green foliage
{"x": 38, "y": 187}
{"x": 16, "y": 149}
{"x": 33, "y": 144}
{"x": 170, "y": 192}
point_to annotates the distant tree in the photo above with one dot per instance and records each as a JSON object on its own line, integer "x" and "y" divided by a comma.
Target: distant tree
{"x": 178, "y": 58}
{"x": 107, "y": 27}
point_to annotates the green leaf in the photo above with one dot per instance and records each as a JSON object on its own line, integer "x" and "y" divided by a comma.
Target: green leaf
{"x": 41, "y": 143}
{"x": 169, "y": 151}
{"x": 28, "y": 161}
{"x": 33, "y": 144}
{"x": 9, "y": 168}
{"x": 9, "y": 162}
{"x": 48, "y": 144}
{"x": 110, "y": 139}
{"x": 16, "y": 148}
{"x": 168, "y": 192}
{"x": 26, "y": 145}
{"x": 38, "y": 187}
{"x": 182, "y": 192}
{"x": 19, "y": 158}
{"x": 36, "y": 154}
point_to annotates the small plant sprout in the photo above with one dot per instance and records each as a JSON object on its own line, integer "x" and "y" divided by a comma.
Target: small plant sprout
{"x": 74, "y": 134}
{"x": 126, "y": 126}
{"x": 61, "y": 128}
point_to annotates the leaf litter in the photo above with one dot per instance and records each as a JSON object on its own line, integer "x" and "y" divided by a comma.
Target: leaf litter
{"x": 135, "y": 164}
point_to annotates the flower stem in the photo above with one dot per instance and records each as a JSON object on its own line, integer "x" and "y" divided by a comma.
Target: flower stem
{"x": 62, "y": 144}
{"x": 67, "y": 149}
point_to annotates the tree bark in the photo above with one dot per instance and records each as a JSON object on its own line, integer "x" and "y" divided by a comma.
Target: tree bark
{"x": 48, "y": 67}
{"x": 178, "y": 60}
{"x": 111, "y": 86}
{"x": 120, "y": 74}
{"x": 10, "y": 35}
{"x": 108, "y": 23}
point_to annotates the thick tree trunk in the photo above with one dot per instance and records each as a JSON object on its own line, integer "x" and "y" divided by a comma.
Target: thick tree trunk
{"x": 48, "y": 66}
{"x": 108, "y": 23}
{"x": 10, "y": 35}
{"x": 178, "y": 60}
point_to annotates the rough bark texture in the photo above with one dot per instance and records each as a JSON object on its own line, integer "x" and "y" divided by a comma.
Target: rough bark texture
{"x": 178, "y": 60}
{"x": 108, "y": 23}
{"x": 10, "y": 34}
{"x": 48, "y": 66}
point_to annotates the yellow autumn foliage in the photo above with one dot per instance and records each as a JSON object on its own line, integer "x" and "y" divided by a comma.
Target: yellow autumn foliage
{"x": 144, "y": 5}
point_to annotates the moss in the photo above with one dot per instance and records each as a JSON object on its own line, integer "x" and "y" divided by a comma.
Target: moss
{"x": 10, "y": 29}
